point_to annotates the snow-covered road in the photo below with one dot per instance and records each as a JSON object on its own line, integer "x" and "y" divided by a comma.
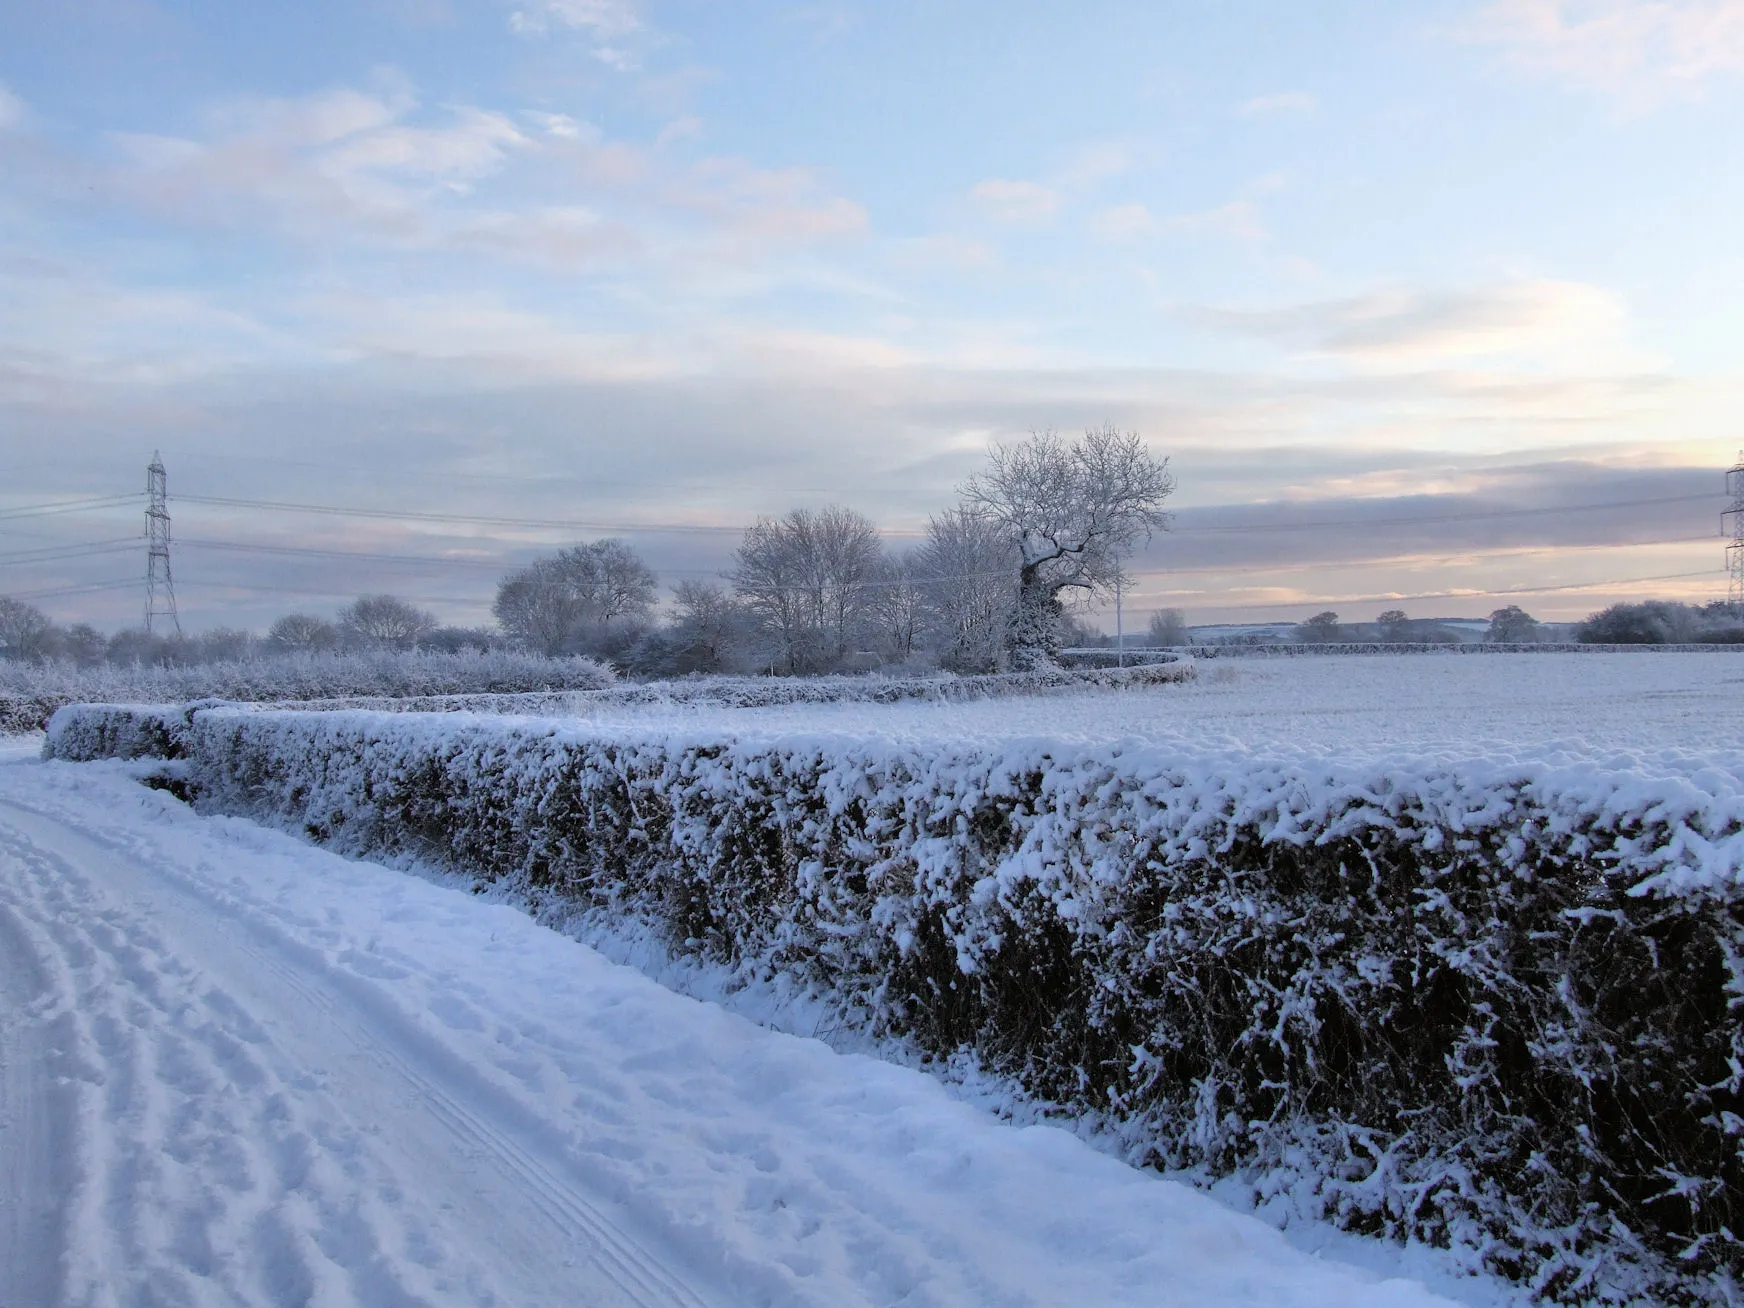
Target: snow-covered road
{"x": 238, "y": 1070}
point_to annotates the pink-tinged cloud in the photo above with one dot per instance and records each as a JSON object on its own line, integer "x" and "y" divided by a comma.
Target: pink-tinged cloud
{"x": 1414, "y": 327}
{"x": 1641, "y": 52}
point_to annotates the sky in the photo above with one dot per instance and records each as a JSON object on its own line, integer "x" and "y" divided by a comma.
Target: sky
{"x": 1431, "y": 305}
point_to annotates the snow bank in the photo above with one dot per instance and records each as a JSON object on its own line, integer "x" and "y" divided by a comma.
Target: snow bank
{"x": 1490, "y": 1005}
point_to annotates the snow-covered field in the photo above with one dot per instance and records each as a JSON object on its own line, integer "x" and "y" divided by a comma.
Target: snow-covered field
{"x": 1355, "y": 705}
{"x": 238, "y": 1070}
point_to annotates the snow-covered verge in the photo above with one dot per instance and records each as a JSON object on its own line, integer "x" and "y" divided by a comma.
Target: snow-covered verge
{"x": 1496, "y": 1005}
{"x": 30, "y": 693}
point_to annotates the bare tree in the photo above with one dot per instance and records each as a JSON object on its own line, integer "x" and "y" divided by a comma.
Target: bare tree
{"x": 968, "y": 580}
{"x": 551, "y": 604}
{"x": 1394, "y": 625}
{"x": 224, "y": 644}
{"x": 897, "y": 610}
{"x": 619, "y": 585}
{"x": 769, "y": 577}
{"x": 1513, "y": 624}
{"x": 84, "y": 644}
{"x": 137, "y": 647}
{"x": 538, "y": 606}
{"x": 1071, "y": 509}
{"x": 25, "y": 630}
{"x": 301, "y": 633}
{"x": 807, "y": 579}
{"x": 1168, "y": 627}
{"x": 709, "y": 627}
{"x": 384, "y": 622}
{"x": 1321, "y": 629}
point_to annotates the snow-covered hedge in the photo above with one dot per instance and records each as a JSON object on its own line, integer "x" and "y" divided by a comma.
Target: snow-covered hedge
{"x": 732, "y": 692}
{"x": 21, "y": 714}
{"x": 82, "y": 732}
{"x": 30, "y": 693}
{"x": 1496, "y": 1005}
{"x": 770, "y": 692}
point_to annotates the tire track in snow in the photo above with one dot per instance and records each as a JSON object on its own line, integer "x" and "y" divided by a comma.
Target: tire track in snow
{"x": 177, "y": 1159}
{"x": 34, "y": 1160}
{"x": 356, "y": 1083}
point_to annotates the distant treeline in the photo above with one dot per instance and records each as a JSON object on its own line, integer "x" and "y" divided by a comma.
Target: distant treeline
{"x": 814, "y": 591}
{"x": 1649, "y": 622}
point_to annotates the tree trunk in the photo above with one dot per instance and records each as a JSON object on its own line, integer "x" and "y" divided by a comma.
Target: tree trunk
{"x": 1032, "y": 641}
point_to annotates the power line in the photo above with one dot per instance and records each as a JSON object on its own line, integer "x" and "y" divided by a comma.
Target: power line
{"x": 1418, "y": 559}
{"x": 1415, "y": 519}
{"x": 56, "y": 591}
{"x": 53, "y": 553}
{"x": 467, "y": 474}
{"x": 59, "y": 553}
{"x": 188, "y": 542}
{"x": 68, "y": 506}
{"x": 408, "y": 515}
{"x": 467, "y": 519}
{"x": 504, "y": 565}
{"x": 476, "y": 602}
{"x": 470, "y": 601}
{"x": 1463, "y": 593}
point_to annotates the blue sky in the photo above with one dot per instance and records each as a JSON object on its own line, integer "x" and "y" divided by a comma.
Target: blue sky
{"x": 1432, "y": 306}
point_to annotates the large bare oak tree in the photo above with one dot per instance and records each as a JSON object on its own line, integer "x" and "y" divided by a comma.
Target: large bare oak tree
{"x": 1071, "y": 509}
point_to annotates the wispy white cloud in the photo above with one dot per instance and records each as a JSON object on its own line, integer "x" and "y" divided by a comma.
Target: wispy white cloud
{"x": 570, "y": 238}
{"x": 944, "y": 250}
{"x": 1009, "y": 201}
{"x": 320, "y": 165}
{"x": 1094, "y": 162}
{"x": 1238, "y": 221}
{"x": 605, "y": 19}
{"x": 376, "y": 168}
{"x": 1282, "y": 102}
{"x": 685, "y": 127}
{"x": 13, "y": 114}
{"x": 1527, "y": 320}
{"x": 416, "y": 13}
{"x": 1124, "y": 222}
{"x": 760, "y": 204}
{"x": 1641, "y": 52}
{"x": 615, "y": 31}
{"x": 564, "y": 127}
